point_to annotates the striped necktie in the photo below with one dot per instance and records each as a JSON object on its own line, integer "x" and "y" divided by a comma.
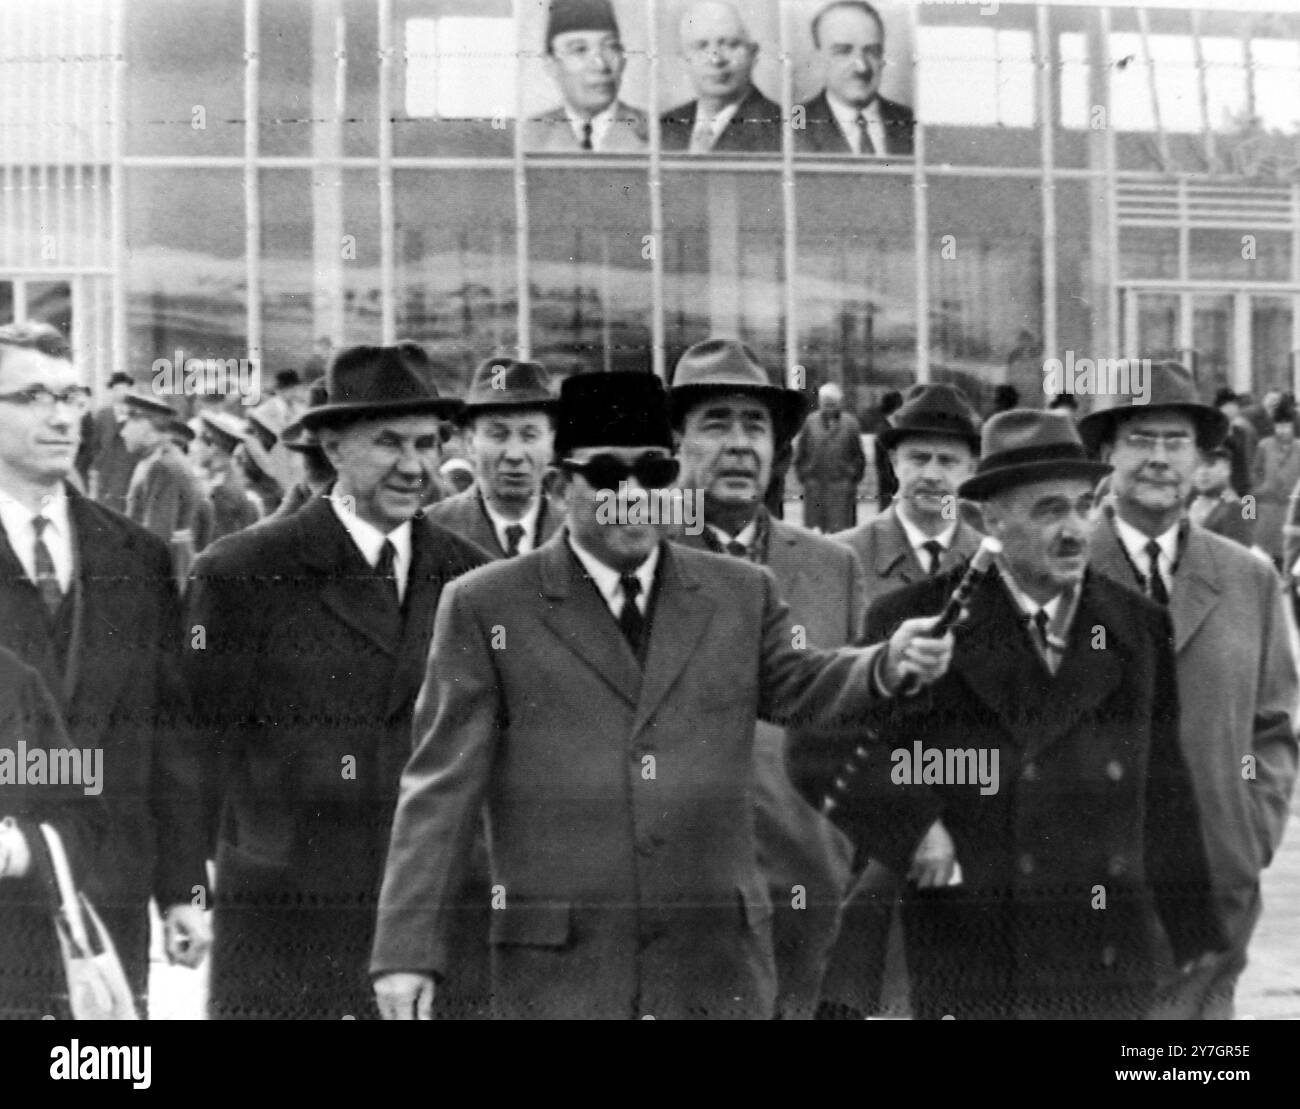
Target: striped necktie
{"x": 47, "y": 578}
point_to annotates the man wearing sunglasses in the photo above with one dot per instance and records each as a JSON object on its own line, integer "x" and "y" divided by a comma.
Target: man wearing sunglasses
{"x": 87, "y": 599}
{"x": 1236, "y": 667}
{"x": 598, "y": 697}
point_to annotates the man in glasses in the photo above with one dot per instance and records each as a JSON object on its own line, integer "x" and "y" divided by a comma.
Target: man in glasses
{"x": 849, "y": 116}
{"x": 729, "y": 113}
{"x": 87, "y": 598}
{"x": 585, "y": 59}
{"x": 598, "y": 696}
{"x": 1236, "y": 667}
{"x": 1042, "y": 776}
{"x": 731, "y": 421}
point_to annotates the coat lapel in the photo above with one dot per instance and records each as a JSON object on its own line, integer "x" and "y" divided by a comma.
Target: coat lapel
{"x": 581, "y": 620}
{"x": 681, "y": 616}
{"x": 895, "y": 558}
{"x": 1196, "y": 587}
{"x": 348, "y": 587}
{"x": 423, "y": 588}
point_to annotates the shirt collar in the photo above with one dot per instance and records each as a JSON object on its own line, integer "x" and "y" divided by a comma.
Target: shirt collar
{"x": 601, "y": 122}
{"x": 745, "y": 535}
{"x": 606, "y": 578}
{"x": 1025, "y": 602}
{"x": 917, "y": 539}
{"x": 847, "y": 115}
{"x": 17, "y": 517}
{"x": 717, "y": 123}
{"x": 368, "y": 538}
{"x": 528, "y": 521}
{"x": 1135, "y": 542}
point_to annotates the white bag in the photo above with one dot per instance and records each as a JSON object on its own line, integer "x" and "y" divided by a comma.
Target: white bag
{"x": 97, "y": 985}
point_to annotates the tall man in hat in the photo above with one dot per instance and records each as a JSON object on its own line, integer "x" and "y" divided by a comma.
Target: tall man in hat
{"x": 730, "y": 420}
{"x": 164, "y": 496}
{"x": 931, "y": 443}
{"x": 829, "y": 462}
{"x": 585, "y": 58}
{"x": 1236, "y": 666}
{"x": 509, "y": 420}
{"x": 314, "y": 635}
{"x": 599, "y": 695}
{"x": 1049, "y": 756}
{"x": 87, "y": 599}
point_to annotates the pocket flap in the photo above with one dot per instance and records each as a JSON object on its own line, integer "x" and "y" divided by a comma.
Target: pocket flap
{"x": 532, "y": 924}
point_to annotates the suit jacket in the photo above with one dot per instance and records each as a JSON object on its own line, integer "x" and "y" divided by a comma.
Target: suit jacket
{"x": 467, "y": 517}
{"x": 1237, "y": 688}
{"x": 165, "y": 496}
{"x": 1227, "y": 517}
{"x": 31, "y": 968}
{"x": 821, "y": 582}
{"x": 830, "y": 455}
{"x": 888, "y": 558}
{"x": 1093, "y": 794}
{"x": 117, "y": 690}
{"x": 307, "y": 665}
{"x": 754, "y": 129}
{"x": 620, "y": 800}
{"x": 821, "y": 134}
{"x": 110, "y": 460}
{"x": 551, "y": 133}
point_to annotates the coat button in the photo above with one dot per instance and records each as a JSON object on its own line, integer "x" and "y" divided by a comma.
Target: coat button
{"x": 1116, "y": 866}
{"x": 1029, "y": 773}
{"x": 1114, "y": 770}
{"x": 1026, "y": 864}
{"x": 1108, "y": 956}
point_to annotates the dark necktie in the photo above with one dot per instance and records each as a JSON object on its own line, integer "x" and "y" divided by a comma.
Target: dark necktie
{"x": 935, "y": 550}
{"x": 865, "y": 145}
{"x": 1040, "y": 626}
{"x": 514, "y": 533}
{"x": 386, "y": 568}
{"x": 1155, "y": 583}
{"x": 47, "y": 579}
{"x": 630, "y": 619}
{"x": 586, "y": 135}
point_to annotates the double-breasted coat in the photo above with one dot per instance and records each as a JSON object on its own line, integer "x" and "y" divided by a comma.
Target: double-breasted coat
{"x": 1091, "y": 825}
{"x": 620, "y": 799}
{"x": 305, "y": 687}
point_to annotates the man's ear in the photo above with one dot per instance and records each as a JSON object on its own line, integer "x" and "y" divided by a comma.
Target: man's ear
{"x": 992, "y": 516}
{"x": 329, "y": 439}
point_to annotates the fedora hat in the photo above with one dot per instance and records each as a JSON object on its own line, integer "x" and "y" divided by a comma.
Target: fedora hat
{"x": 617, "y": 408}
{"x": 225, "y": 429}
{"x": 1171, "y": 389}
{"x": 504, "y": 383}
{"x": 295, "y": 436}
{"x": 1024, "y": 445}
{"x": 149, "y": 405}
{"x": 366, "y": 382}
{"x": 933, "y": 410}
{"x": 719, "y": 366}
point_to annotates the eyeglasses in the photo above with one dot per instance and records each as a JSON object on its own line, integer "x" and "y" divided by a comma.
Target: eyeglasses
{"x": 580, "y": 52}
{"x": 76, "y": 397}
{"x": 606, "y": 471}
{"x": 1177, "y": 444}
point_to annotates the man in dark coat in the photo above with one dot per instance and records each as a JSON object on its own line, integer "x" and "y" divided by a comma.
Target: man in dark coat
{"x": 316, "y": 631}
{"x": 32, "y": 984}
{"x": 729, "y": 114}
{"x": 87, "y": 599}
{"x": 829, "y": 462}
{"x": 849, "y": 116}
{"x": 1043, "y": 771}
{"x": 730, "y": 420}
{"x": 104, "y": 461}
{"x": 509, "y": 422}
{"x": 599, "y": 695}
{"x": 164, "y": 496}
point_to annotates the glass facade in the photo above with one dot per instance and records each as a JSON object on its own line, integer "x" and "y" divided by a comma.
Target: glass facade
{"x": 244, "y": 178}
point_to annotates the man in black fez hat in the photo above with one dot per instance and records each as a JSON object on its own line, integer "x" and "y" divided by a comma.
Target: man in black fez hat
{"x": 1043, "y": 773}
{"x": 599, "y": 695}
{"x": 1236, "y": 664}
{"x": 316, "y": 627}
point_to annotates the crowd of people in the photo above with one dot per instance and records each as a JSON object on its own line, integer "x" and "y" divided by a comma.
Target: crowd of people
{"x": 378, "y": 743}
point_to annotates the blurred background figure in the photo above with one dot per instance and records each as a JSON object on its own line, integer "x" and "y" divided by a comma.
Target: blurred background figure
{"x": 164, "y": 496}
{"x": 1241, "y": 441}
{"x": 104, "y": 457}
{"x": 1277, "y": 471}
{"x": 1214, "y": 504}
{"x": 829, "y": 462}
{"x": 1065, "y": 403}
{"x": 1005, "y": 398}
{"x": 457, "y": 475}
{"x": 886, "y": 479}
{"x": 233, "y": 507}
{"x": 314, "y": 472}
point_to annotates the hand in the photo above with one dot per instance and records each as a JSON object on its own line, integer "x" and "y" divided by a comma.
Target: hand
{"x": 913, "y": 650}
{"x": 405, "y": 996}
{"x": 187, "y": 935}
{"x": 15, "y": 855}
{"x": 934, "y": 860}
{"x": 1204, "y": 962}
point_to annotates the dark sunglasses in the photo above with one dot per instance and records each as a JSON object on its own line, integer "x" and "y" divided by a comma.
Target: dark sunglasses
{"x": 606, "y": 471}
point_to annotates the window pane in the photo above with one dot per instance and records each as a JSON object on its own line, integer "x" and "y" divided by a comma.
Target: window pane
{"x": 1240, "y": 254}
{"x": 1148, "y": 252}
{"x": 456, "y": 287}
{"x": 856, "y": 284}
{"x": 589, "y": 261}
{"x": 724, "y": 263}
{"x": 295, "y": 281}
{"x": 1081, "y": 279}
{"x": 986, "y": 285}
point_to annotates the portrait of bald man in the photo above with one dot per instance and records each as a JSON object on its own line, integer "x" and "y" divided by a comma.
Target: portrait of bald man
{"x": 729, "y": 114}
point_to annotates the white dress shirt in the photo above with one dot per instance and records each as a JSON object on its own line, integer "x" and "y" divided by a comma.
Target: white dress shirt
{"x": 370, "y": 542}
{"x": 601, "y": 122}
{"x": 528, "y": 521}
{"x": 1135, "y": 543}
{"x": 846, "y": 116}
{"x": 744, "y": 536}
{"x": 707, "y": 129}
{"x": 607, "y": 578}
{"x": 17, "y": 520}
{"x": 917, "y": 539}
